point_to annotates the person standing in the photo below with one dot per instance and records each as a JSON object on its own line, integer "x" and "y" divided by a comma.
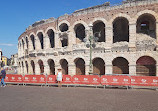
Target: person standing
{"x": 59, "y": 77}
{"x": 3, "y": 75}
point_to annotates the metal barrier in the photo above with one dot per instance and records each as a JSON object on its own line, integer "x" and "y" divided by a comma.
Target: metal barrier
{"x": 104, "y": 80}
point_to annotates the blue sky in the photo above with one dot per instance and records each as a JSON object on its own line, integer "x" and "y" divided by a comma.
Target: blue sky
{"x": 17, "y": 15}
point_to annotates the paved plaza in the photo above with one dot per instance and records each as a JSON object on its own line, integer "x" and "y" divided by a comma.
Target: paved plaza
{"x": 35, "y": 98}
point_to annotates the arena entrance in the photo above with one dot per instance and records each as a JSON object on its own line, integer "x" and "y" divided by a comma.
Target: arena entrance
{"x": 120, "y": 66}
{"x": 64, "y": 66}
{"x": 120, "y": 30}
{"x": 80, "y": 66}
{"x": 26, "y": 67}
{"x": 51, "y": 66}
{"x": 40, "y": 36}
{"x": 99, "y": 26}
{"x": 146, "y": 24}
{"x": 41, "y": 65}
{"x": 80, "y": 33}
{"x": 99, "y": 66}
{"x": 51, "y": 38}
{"x": 33, "y": 66}
{"x": 33, "y": 41}
{"x": 146, "y": 66}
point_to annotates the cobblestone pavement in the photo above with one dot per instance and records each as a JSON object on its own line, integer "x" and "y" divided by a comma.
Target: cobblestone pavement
{"x": 35, "y": 98}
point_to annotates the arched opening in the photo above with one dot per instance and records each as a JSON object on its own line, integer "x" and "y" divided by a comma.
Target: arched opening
{"x": 64, "y": 42}
{"x": 19, "y": 67}
{"x": 33, "y": 41}
{"x": 120, "y": 66}
{"x": 51, "y": 38}
{"x": 27, "y": 43}
{"x": 98, "y": 66}
{"x": 27, "y": 67}
{"x": 33, "y": 67}
{"x": 23, "y": 44}
{"x": 51, "y": 66}
{"x": 80, "y": 33}
{"x": 146, "y": 66}
{"x": 41, "y": 66}
{"x": 146, "y": 24}
{"x": 40, "y": 36}
{"x": 22, "y": 68}
{"x": 120, "y": 30}
{"x": 80, "y": 66}
{"x": 63, "y": 27}
{"x": 64, "y": 66}
{"x": 99, "y": 26}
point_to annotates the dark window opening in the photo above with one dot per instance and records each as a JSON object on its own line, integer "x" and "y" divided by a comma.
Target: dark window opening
{"x": 120, "y": 30}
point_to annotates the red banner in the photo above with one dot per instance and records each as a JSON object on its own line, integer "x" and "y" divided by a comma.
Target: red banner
{"x": 14, "y": 78}
{"x": 76, "y": 79}
{"x": 51, "y": 79}
{"x": 34, "y": 79}
{"x": 94, "y": 79}
{"x": 86, "y": 79}
{"x": 144, "y": 81}
{"x": 115, "y": 80}
{"x": 67, "y": 79}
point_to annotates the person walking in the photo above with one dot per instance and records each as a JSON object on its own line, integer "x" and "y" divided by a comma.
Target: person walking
{"x": 59, "y": 77}
{"x": 3, "y": 74}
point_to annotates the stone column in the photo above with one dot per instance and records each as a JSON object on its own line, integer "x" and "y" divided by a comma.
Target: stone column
{"x": 46, "y": 68}
{"x": 109, "y": 34}
{"x": 71, "y": 39}
{"x": 72, "y": 69}
{"x": 37, "y": 69}
{"x": 86, "y": 69}
{"x": 132, "y": 36}
{"x": 24, "y": 67}
{"x": 157, "y": 32}
{"x": 57, "y": 65}
{"x": 46, "y": 42}
{"x": 29, "y": 67}
{"x": 30, "y": 45}
{"x": 108, "y": 68}
{"x": 57, "y": 40}
{"x": 37, "y": 43}
{"x": 132, "y": 69}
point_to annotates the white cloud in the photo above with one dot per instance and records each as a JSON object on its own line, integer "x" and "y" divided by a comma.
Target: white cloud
{"x": 7, "y": 44}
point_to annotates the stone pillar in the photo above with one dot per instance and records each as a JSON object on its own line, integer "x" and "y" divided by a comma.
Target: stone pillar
{"x": 157, "y": 32}
{"x": 37, "y": 69}
{"x": 108, "y": 69}
{"x": 46, "y": 42}
{"x": 57, "y": 41}
{"x": 71, "y": 39}
{"x": 24, "y": 67}
{"x": 86, "y": 69}
{"x": 132, "y": 36}
{"x": 46, "y": 68}
{"x": 37, "y": 43}
{"x": 109, "y": 34}
{"x": 30, "y": 45}
{"x": 29, "y": 68}
{"x": 72, "y": 69}
{"x": 132, "y": 69}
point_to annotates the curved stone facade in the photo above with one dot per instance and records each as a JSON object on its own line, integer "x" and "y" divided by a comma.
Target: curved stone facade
{"x": 127, "y": 43}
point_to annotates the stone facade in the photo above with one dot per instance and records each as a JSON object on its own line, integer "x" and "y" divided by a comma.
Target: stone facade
{"x": 127, "y": 43}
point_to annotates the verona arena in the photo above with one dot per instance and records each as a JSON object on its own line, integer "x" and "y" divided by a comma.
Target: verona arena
{"x": 127, "y": 43}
